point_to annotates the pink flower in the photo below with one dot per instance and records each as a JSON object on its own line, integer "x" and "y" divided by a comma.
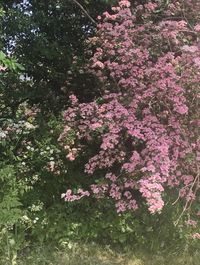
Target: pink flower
{"x": 121, "y": 206}
{"x": 73, "y": 99}
{"x": 128, "y": 195}
{"x": 197, "y": 61}
{"x": 111, "y": 176}
{"x": 191, "y": 49}
{"x": 124, "y": 3}
{"x": 98, "y": 64}
{"x": 196, "y": 236}
{"x": 197, "y": 27}
{"x": 191, "y": 223}
{"x": 2, "y": 68}
{"x": 182, "y": 109}
{"x": 151, "y": 6}
{"x": 71, "y": 156}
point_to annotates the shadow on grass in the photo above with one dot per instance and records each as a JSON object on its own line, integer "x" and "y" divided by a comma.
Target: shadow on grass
{"x": 91, "y": 254}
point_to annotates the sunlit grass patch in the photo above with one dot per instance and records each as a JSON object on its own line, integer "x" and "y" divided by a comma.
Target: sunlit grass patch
{"x": 93, "y": 254}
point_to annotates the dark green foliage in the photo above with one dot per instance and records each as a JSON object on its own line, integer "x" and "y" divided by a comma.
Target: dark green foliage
{"x": 49, "y": 36}
{"x": 46, "y": 65}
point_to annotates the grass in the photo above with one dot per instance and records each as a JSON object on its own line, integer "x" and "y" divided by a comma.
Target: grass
{"x": 92, "y": 254}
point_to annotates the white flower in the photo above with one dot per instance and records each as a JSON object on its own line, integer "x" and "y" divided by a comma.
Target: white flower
{"x": 29, "y": 126}
{"x": 2, "y": 135}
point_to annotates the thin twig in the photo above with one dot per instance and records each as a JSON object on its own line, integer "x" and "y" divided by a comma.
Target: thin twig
{"x": 196, "y": 181}
{"x": 84, "y": 11}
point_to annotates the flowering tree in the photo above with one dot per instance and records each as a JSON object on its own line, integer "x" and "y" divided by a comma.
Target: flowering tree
{"x": 146, "y": 124}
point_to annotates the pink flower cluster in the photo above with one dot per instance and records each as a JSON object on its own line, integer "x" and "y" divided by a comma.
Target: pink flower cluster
{"x": 2, "y": 68}
{"x": 69, "y": 196}
{"x": 144, "y": 126}
{"x": 191, "y": 222}
{"x": 196, "y": 236}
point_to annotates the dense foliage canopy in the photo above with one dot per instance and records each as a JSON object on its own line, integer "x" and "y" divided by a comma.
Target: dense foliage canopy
{"x": 100, "y": 98}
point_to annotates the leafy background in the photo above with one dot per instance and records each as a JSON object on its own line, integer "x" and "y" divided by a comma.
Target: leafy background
{"x": 43, "y": 46}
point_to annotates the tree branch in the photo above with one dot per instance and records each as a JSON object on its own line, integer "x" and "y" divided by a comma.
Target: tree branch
{"x": 84, "y": 11}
